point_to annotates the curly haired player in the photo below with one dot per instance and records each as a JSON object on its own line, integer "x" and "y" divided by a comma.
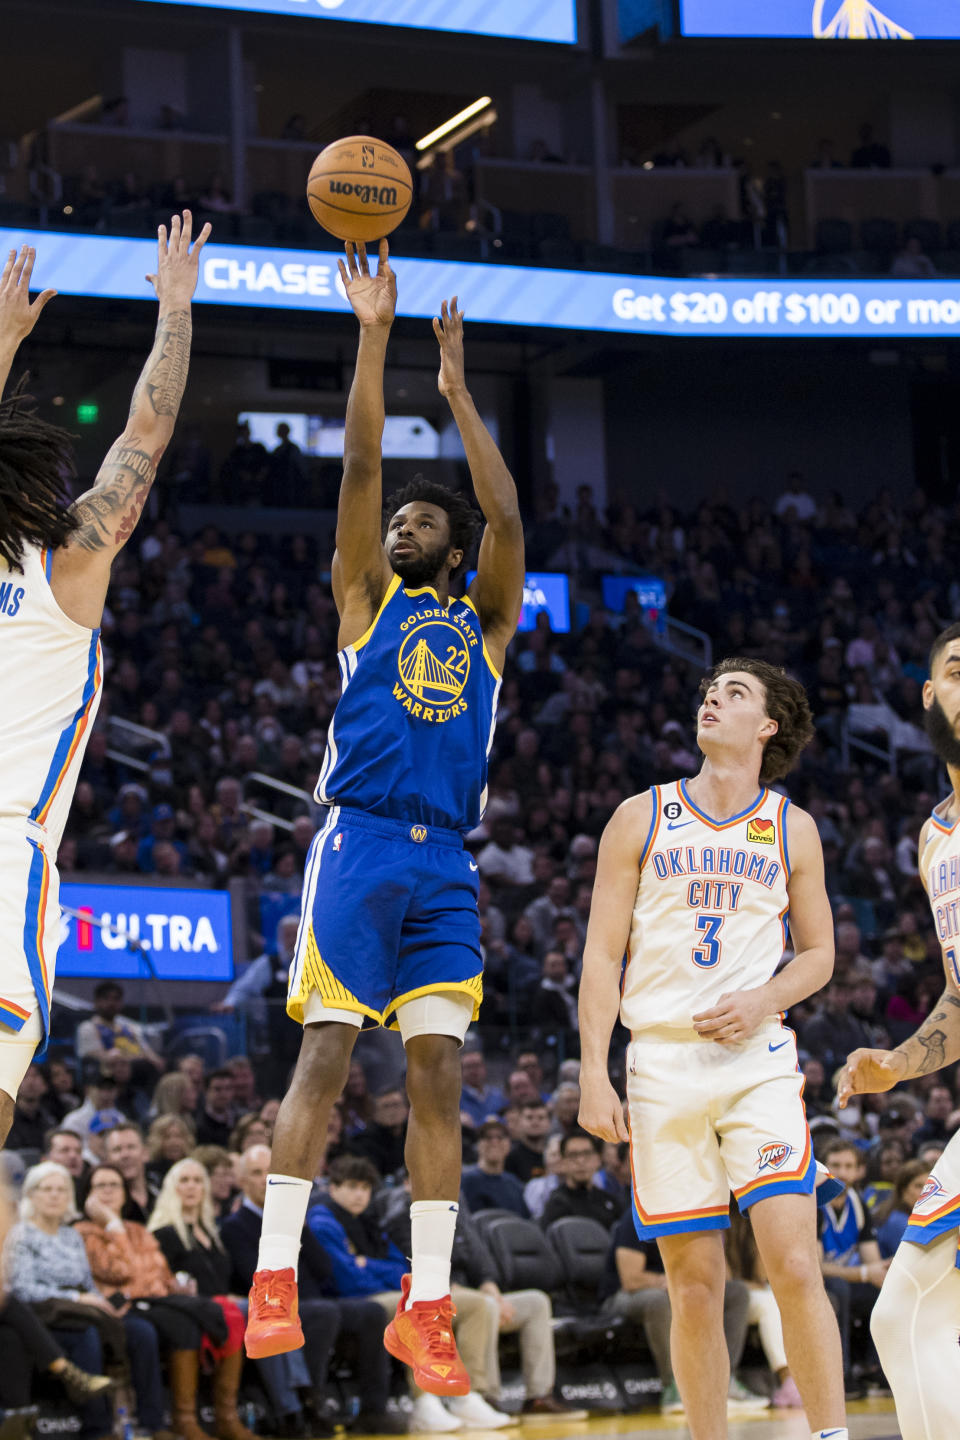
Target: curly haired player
{"x": 696, "y": 881}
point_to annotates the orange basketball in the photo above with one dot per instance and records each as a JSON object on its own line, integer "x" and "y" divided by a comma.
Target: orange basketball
{"x": 359, "y": 188}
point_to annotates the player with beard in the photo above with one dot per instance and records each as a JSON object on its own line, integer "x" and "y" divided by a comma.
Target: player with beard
{"x": 389, "y": 930}
{"x": 916, "y": 1320}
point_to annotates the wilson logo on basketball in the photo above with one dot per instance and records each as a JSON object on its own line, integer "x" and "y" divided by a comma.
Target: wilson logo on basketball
{"x": 763, "y": 832}
{"x": 385, "y": 195}
{"x": 775, "y": 1154}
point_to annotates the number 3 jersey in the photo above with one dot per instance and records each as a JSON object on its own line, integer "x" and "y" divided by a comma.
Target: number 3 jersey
{"x": 710, "y": 915}
{"x": 414, "y": 724}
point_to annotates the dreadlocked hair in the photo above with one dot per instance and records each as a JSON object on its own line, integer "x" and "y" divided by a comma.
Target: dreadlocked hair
{"x": 36, "y": 464}
{"x": 466, "y": 523}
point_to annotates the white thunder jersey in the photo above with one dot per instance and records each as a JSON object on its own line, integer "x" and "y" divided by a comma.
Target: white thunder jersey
{"x": 50, "y": 674}
{"x": 711, "y": 908}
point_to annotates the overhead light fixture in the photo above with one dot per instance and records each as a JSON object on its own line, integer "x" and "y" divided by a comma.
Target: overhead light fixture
{"x": 457, "y": 137}
{"x": 453, "y": 122}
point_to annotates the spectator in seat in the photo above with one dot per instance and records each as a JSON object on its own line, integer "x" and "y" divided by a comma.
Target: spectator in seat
{"x": 123, "y": 1148}
{"x": 850, "y": 1256}
{"x": 216, "y": 1119}
{"x": 384, "y": 1139}
{"x": 565, "y": 1107}
{"x": 31, "y": 1117}
{"x": 578, "y": 1195}
{"x": 554, "y": 1002}
{"x": 186, "y": 1231}
{"x": 169, "y": 1139}
{"x": 46, "y": 1265}
{"x": 525, "y": 1159}
{"x": 359, "y": 1322}
{"x": 66, "y": 1148}
{"x": 127, "y": 1263}
{"x": 504, "y": 861}
{"x": 912, "y": 262}
{"x": 936, "y": 1112}
{"x": 526, "y": 1312}
{"x": 825, "y": 158}
{"x": 108, "y": 1030}
{"x": 245, "y": 1095}
{"x": 744, "y": 1263}
{"x": 891, "y": 1219}
{"x": 479, "y": 1101}
{"x": 96, "y": 1115}
{"x": 487, "y": 1185}
{"x": 219, "y": 1164}
{"x": 537, "y": 1191}
{"x": 832, "y": 1032}
{"x": 869, "y": 154}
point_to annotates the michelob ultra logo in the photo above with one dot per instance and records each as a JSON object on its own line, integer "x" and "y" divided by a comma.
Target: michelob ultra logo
{"x": 763, "y": 832}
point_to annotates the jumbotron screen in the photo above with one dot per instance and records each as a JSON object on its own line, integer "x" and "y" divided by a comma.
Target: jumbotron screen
{"x": 822, "y": 19}
{"x": 554, "y": 20}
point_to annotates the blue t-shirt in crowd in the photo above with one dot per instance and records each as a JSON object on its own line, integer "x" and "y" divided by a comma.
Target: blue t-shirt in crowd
{"x": 493, "y": 1192}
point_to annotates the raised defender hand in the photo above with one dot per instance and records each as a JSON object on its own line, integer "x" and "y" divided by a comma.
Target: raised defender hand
{"x": 449, "y": 332}
{"x": 869, "y": 1072}
{"x": 373, "y": 297}
{"x": 17, "y": 315}
{"x": 177, "y": 264}
{"x": 601, "y": 1111}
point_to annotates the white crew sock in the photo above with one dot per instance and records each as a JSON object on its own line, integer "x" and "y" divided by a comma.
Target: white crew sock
{"x": 284, "y": 1213}
{"x": 842, "y": 1434}
{"x": 432, "y": 1223}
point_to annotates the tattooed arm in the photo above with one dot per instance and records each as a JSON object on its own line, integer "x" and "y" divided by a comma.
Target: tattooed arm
{"x": 108, "y": 513}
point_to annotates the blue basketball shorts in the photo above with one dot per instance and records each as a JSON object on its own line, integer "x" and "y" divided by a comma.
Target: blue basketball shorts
{"x": 389, "y": 913}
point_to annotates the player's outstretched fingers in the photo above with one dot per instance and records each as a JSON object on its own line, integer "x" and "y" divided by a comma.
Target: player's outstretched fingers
{"x": 187, "y": 232}
{"x": 202, "y": 238}
{"x": 8, "y": 268}
{"x": 383, "y": 258}
{"x": 362, "y": 261}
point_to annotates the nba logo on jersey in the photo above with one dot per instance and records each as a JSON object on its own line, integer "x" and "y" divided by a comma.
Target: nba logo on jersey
{"x": 774, "y": 1155}
{"x": 338, "y": 840}
{"x": 761, "y": 831}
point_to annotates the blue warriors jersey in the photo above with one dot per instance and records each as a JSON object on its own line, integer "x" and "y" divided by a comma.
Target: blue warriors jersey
{"x": 414, "y": 724}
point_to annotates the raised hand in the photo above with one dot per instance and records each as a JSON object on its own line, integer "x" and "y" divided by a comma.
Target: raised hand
{"x": 373, "y": 297}
{"x": 178, "y": 264}
{"x": 449, "y": 332}
{"x": 17, "y": 315}
{"x": 869, "y": 1072}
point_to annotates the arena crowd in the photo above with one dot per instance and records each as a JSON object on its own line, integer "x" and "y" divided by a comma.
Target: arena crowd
{"x": 144, "y": 1172}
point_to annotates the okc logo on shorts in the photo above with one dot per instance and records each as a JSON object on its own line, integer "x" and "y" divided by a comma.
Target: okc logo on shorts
{"x": 762, "y": 832}
{"x": 773, "y": 1156}
{"x": 931, "y": 1190}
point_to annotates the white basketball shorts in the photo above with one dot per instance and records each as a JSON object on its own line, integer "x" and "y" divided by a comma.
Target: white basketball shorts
{"x": 708, "y": 1119}
{"x": 29, "y": 936}
{"x": 938, "y": 1209}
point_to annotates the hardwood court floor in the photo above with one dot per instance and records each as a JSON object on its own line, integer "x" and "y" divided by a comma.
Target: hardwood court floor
{"x": 868, "y": 1420}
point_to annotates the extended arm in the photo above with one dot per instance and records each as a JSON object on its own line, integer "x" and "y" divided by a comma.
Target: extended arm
{"x": 738, "y": 1015}
{"x": 360, "y": 569}
{"x": 614, "y": 897}
{"x": 497, "y": 590}
{"x": 17, "y": 315}
{"x": 108, "y": 513}
{"x": 935, "y": 1045}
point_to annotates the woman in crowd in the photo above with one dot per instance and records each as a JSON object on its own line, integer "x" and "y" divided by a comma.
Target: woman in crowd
{"x": 47, "y": 1269}
{"x": 744, "y": 1263}
{"x": 218, "y": 1164}
{"x": 169, "y": 1139}
{"x": 185, "y": 1227}
{"x": 129, "y": 1267}
{"x": 249, "y": 1130}
{"x": 176, "y": 1094}
{"x": 890, "y": 1220}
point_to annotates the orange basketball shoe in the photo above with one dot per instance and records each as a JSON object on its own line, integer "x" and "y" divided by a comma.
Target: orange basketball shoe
{"x": 273, "y": 1320}
{"x": 422, "y": 1337}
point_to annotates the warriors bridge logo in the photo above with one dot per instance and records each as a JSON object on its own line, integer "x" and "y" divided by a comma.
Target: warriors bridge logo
{"x": 434, "y": 666}
{"x": 854, "y": 20}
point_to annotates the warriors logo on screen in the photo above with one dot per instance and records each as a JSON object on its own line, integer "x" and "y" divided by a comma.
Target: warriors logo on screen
{"x": 854, "y": 20}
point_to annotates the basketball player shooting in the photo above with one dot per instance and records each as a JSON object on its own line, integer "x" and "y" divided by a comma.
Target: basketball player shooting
{"x": 389, "y": 931}
{"x": 55, "y": 561}
{"x": 916, "y": 1320}
{"x": 695, "y": 882}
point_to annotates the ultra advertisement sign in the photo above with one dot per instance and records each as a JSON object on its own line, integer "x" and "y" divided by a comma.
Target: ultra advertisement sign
{"x": 114, "y": 267}
{"x": 184, "y": 934}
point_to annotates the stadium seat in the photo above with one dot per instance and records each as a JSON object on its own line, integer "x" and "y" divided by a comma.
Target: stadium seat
{"x": 485, "y": 1218}
{"x": 879, "y": 234}
{"x": 928, "y": 232}
{"x": 834, "y": 237}
{"x": 524, "y": 1258}
{"x": 582, "y": 1247}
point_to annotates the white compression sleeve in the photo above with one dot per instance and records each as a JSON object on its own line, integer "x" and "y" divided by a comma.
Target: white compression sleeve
{"x": 916, "y": 1326}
